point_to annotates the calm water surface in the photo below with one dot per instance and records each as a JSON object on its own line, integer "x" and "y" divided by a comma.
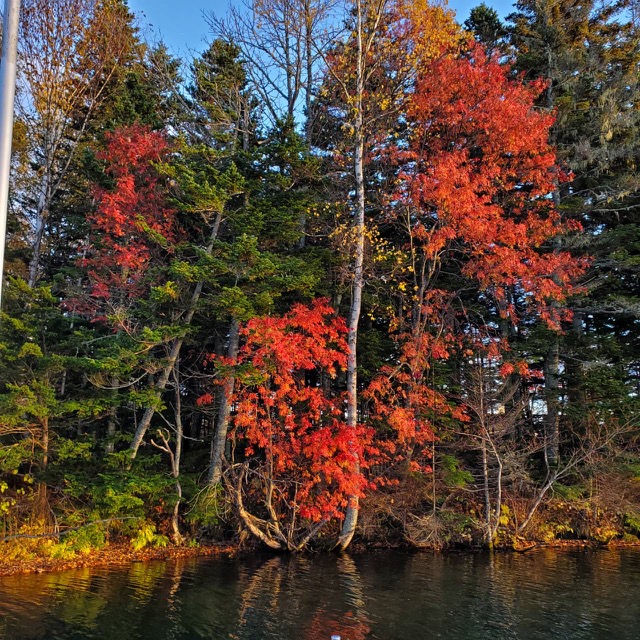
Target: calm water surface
{"x": 383, "y": 596}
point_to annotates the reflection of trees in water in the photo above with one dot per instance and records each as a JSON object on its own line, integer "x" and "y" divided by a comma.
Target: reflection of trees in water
{"x": 577, "y": 579}
{"x": 115, "y": 603}
{"x": 82, "y": 600}
{"x": 351, "y": 582}
{"x": 266, "y": 581}
{"x": 173, "y": 600}
{"x": 353, "y": 624}
{"x": 77, "y": 597}
{"x": 306, "y": 598}
{"x": 302, "y": 597}
{"x": 143, "y": 579}
{"x": 541, "y": 594}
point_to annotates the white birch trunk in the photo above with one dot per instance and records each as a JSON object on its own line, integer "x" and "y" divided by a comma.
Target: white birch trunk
{"x": 351, "y": 514}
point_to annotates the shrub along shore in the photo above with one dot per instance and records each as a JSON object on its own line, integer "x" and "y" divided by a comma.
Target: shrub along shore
{"x": 118, "y": 555}
{"x": 559, "y": 524}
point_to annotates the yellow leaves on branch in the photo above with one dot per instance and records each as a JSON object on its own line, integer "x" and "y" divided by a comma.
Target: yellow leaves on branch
{"x": 399, "y": 38}
{"x": 378, "y": 250}
{"x": 429, "y": 28}
{"x": 69, "y": 51}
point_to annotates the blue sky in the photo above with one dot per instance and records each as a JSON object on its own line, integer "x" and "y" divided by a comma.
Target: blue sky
{"x": 181, "y": 25}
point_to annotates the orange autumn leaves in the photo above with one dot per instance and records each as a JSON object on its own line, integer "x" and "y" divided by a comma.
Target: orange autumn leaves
{"x": 478, "y": 175}
{"x": 287, "y": 416}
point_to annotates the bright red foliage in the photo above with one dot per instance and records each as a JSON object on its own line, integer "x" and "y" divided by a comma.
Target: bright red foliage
{"x": 479, "y": 174}
{"x": 404, "y": 397}
{"x": 293, "y": 427}
{"x": 474, "y": 196}
{"x": 132, "y": 225}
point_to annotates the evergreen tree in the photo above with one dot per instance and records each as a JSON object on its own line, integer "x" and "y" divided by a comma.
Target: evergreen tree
{"x": 485, "y": 25}
{"x": 590, "y": 53}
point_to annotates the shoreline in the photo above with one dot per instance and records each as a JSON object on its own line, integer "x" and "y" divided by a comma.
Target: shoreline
{"x": 122, "y": 555}
{"x": 113, "y": 555}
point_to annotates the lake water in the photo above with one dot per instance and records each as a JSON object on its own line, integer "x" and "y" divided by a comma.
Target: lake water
{"x": 385, "y": 596}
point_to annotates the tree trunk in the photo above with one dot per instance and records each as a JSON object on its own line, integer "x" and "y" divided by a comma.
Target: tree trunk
{"x": 351, "y": 515}
{"x": 112, "y": 422}
{"x": 109, "y": 447}
{"x": 219, "y": 440}
{"x": 44, "y": 423}
{"x": 161, "y": 383}
{"x": 308, "y": 55}
{"x": 576, "y": 400}
{"x": 487, "y": 494}
{"x": 42, "y": 210}
{"x": 175, "y": 467}
{"x": 43, "y": 504}
{"x": 160, "y": 386}
{"x": 552, "y": 419}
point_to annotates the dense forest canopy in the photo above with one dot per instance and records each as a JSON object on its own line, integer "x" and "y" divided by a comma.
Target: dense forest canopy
{"x": 355, "y": 270}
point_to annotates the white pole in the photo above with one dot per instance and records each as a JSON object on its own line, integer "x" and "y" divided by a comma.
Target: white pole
{"x": 7, "y": 94}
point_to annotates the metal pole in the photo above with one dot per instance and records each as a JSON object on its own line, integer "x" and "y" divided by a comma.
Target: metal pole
{"x": 7, "y": 94}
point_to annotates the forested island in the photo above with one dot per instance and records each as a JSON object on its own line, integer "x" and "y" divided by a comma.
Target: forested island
{"x": 356, "y": 274}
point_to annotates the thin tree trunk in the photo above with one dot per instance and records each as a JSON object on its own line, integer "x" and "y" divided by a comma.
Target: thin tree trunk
{"x": 433, "y": 478}
{"x": 177, "y": 536}
{"x": 537, "y": 502}
{"x": 351, "y": 515}
{"x": 498, "y": 506}
{"x": 308, "y": 41}
{"x": 552, "y": 359}
{"x": 219, "y": 440}
{"x": 575, "y": 389}
{"x": 552, "y": 423}
{"x": 41, "y": 216}
{"x": 43, "y": 509}
{"x": 308, "y": 54}
{"x": 44, "y": 423}
{"x": 109, "y": 447}
{"x": 161, "y": 383}
{"x": 174, "y": 455}
{"x": 487, "y": 493}
{"x": 112, "y": 422}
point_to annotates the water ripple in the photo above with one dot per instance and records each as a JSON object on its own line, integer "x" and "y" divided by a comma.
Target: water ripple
{"x": 543, "y": 595}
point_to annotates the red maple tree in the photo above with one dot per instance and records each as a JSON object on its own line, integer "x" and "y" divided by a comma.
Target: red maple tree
{"x": 479, "y": 175}
{"x": 475, "y": 184}
{"x": 132, "y": 227}
{"x": 300, "y": 458}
